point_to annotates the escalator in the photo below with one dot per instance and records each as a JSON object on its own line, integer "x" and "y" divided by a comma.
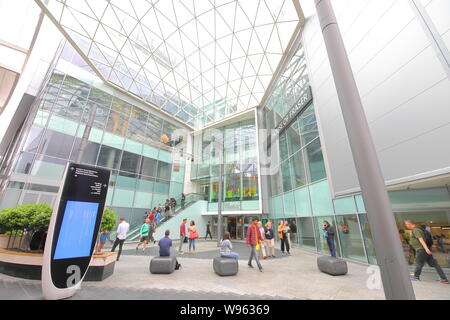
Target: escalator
{"x": 191, "y": 199}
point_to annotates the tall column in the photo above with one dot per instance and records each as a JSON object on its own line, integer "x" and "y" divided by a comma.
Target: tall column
{"x": 389, "y": 252}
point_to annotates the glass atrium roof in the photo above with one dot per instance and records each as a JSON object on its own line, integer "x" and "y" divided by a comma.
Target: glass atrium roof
{"x": 200, "y": 61}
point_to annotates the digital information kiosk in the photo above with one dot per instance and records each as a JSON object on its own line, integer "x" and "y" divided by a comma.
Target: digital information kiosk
{"x": 73, "y": 230}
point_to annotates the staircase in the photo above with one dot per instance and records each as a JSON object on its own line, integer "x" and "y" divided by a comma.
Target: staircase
{"x": 192, "y": 198}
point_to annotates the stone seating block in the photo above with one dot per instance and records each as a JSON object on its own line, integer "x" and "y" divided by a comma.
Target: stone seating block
{"x": 332, "y": 266}
{"x": 162, "y": 265}
{"x": 225, "y": 266}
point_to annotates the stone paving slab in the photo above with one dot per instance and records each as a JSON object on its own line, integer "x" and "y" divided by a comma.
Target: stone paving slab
{"x": 293, "y": 277}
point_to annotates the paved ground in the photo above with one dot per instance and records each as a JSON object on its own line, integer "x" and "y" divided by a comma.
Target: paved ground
{"x": 293, "y": 277}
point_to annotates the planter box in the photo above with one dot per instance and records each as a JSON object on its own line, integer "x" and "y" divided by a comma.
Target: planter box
{"x": 4, "y": 241}
{"x": 29, "y": 265}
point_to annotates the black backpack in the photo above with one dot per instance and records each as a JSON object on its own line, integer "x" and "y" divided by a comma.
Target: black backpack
{"x": 428, "y": 238}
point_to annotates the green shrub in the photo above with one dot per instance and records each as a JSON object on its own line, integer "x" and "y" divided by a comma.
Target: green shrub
{"x": 109, "y": 220}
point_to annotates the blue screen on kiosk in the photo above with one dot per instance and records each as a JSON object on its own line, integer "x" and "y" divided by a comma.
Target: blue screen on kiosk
{"x": 77, "y": 229}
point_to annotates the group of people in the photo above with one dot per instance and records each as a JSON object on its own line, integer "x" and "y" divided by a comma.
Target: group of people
{"x": 261, "y": 241}
{"x": 191, "y": 234}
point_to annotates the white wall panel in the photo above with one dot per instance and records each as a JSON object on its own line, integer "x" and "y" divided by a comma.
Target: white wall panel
{"x": 404, "y": 88}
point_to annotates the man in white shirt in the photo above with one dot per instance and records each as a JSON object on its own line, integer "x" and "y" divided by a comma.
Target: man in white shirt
{"x": 122, "y": 231}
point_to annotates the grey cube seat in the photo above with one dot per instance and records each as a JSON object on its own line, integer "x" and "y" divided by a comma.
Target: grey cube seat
{"x": 225, "y": 266}
{"x": 332, "y": 266}
{"x": 162, "y": 265}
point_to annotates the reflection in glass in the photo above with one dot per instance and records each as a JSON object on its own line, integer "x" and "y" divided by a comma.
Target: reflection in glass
{"x": 350, "y": 237}
{"x": 306, "y": 233}
{"x": 322, "y": 245}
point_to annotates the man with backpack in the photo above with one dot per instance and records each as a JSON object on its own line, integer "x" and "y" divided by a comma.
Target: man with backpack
{"x": 422, "y": 241}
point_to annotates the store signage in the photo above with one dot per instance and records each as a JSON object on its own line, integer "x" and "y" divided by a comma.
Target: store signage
{"x": 73, "y": 230}
{"x": 302, "y": 102}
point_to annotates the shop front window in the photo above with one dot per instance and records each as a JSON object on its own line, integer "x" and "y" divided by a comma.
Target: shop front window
{"x": 435, "y": 222}
{"x": 325, "y": 244}
{"x": 350, "y": 238}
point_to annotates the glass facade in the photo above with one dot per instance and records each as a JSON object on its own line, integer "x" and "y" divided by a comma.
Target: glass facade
{"x": 240, "y": 177}
{"x": 300, "y": 188}
{"x": 77, "y": 120}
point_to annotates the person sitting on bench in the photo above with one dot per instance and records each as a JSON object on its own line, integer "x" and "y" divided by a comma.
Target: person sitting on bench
{"x": 226, "y": 246}
{"x": 164, "y": 248}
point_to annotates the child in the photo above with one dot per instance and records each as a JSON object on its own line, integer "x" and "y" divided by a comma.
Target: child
{"x": 102, "y": 242}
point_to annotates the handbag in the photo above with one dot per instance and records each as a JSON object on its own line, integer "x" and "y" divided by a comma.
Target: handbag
{"x": 258, "y": 247}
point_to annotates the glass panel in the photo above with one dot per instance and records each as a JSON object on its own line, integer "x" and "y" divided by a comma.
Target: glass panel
{"x": 99, "y": 119}
{"x": 322, "y": 241}
{"x": 162, "y": 186}
{"x": 113, "y": 141}
{"x": 33, "y": 139}
{"x": 315, "y": 163}
{"x": 350, "y": 238}
{"x": 321, "y": 198}
{"x": 148, "y": 167}
{"x": 283, "y": 147}
{"x": 289, "y": 204}
{"x": 420, "y": 199}
{"x": 345, "y": 205}
{"x": 308, "y": 127}
{"x": 164, "y": 170}
{"x": 165, "y": 156}
{"x": 302, "y": 202}
{"x": 233, "y": 187}
{"x": 90, "y": 152}
{"x": 275, "y": 182}
{"x": 126, "y": 181}
{"x": 360, "y": 203}
{"x": 130, "y": 162}
{"x": 367, "y": 237}
{"x": 143, "y": 200}
{"x": 250, "y": 181}
{"x": 299, "y": 170}
{"x": 47, "y": 167}
{"x": 150, "y": 152}
{"x": 123, "y": 198}
{"x": 109, "y": 157}
{"x": 306, "y": 233}
{"x": 293, "y": 138}
{"x": 117, "y": 124}
{"x": 287, "y": 175}
{"x": 249, "y": 205}
{"x": 133, "y": 146}
{"x": 24, "y": 163}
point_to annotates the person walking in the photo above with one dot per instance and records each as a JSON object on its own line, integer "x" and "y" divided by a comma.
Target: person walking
{"x": 152, "y": 215}
{"x": 270, "y": 239}
{"x": 167, "y": 208}
{"x": 293, "y": 232}
{"x": 262, "y": 239}
{"x": 329, "y": 232}
{"x": 226, "y": 247}
{"x": 208, "y": 230}
{"x": 193, "y": 235}
{"x": 252, "y": 241}
{"x": 422, "y": 243}
{"x": 182, "y": 235}
{"x": 164, "y": 248}
{"x": 158, "y": 218}
{"x": 122, "y": 231}
{"x": 144, "y": 234}
{"x": 183, "y": 200}
{"x": 151, "y": 231}
{"x": 285, "y": 238}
